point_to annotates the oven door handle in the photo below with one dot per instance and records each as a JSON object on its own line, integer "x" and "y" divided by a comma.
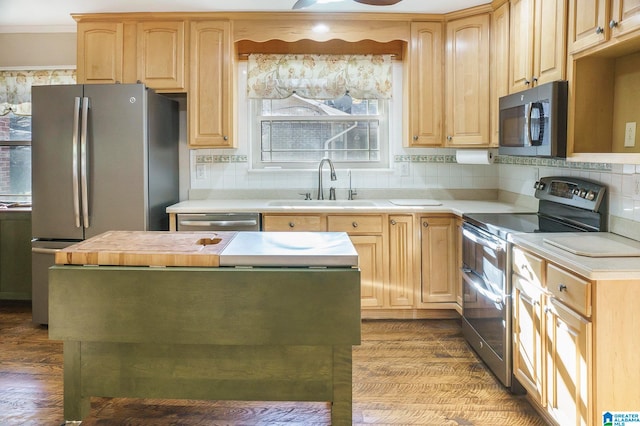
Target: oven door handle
{"x": 492, "y": 243}
{"x": 495, "y": 298}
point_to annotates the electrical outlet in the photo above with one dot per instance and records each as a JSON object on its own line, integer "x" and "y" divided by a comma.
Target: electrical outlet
{"x": 630, "y": 134}
{"x": 404, "y": 168}
{"x": 201, "y": 171}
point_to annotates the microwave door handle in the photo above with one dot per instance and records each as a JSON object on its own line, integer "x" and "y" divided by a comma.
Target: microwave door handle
{"x": 84, "y": 161}
{"x": 74, "y": 162}
{"x": 538, "y": 140}
{"x": 527, "y": 123}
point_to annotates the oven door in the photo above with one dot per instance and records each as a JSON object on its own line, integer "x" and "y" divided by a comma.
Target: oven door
{"x": 487, "y": 300}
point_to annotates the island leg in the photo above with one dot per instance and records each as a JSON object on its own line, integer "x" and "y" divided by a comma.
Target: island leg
{"x": 341, "y": 409}
{"x": 76, "y": 406}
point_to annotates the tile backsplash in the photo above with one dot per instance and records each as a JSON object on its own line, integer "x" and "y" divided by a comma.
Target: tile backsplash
{"x": 437, "y": 170}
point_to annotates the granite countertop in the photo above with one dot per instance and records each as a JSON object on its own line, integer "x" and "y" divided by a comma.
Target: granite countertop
{"x": 601, "y": 267}
{"x": 458, "y": 207}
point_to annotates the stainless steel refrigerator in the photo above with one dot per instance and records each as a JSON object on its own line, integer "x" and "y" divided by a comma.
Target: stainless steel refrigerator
{"x": 104, "y": 157}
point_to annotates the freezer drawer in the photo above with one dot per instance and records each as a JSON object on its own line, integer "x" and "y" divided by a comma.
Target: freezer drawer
{"x": 218, "y": 222}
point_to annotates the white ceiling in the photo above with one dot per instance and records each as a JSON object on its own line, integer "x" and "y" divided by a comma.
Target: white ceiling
{"x": 53, "y": 15}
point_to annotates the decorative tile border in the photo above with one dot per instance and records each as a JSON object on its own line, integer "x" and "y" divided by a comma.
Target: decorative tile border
{"x": 204, "y": 159}
{"x": 507, "y": 159}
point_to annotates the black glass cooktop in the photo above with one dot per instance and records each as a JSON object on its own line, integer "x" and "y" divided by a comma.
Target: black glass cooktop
{"x": 503, "y": 224}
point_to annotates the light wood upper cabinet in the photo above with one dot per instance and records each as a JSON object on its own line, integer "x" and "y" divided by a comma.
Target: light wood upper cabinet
{"x": 625, "y": 17}
{"x": 587, "y": 24}
{"x": 538, "y": 42}
{"x": 211, "y": 106}
{"x": 100, "y": 52}
{"x": 161, "y": 55}
{"x": 425, "y": 85}
{"x": 500, "y": 40}
{"x": 438, "y": 247}
{"x": 467, "y": 81}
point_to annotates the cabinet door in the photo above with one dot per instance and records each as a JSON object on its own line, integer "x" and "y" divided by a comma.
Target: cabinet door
{"x": 402, "y": 274}
{"x": 587, "y": 24}
{"x": 293, "y": 223}
{"x": 15, "y": 256}
{"x": 100, "y": 50}
{"x": 425, "y": 93}
{"x": 521, "y": 45}
{"x": 569, "y": 365}
{"x": 370, "y": 262}
{"x": 500, "y": 43}
{"x": 625, "y": 17}
{"x": 467, "y": 77}
{"x": 210, "y": 94}
{"x": 528, "y": 337}
{"x": 438, "y": 260}
{"x": 161, "y": 54}
{"x": 550, "y": 41}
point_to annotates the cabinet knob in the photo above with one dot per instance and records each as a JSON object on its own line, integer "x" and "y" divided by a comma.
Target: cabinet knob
{"x": 226, "y": 138}
{"x": 599, "y": 30}
{"x": 415, "y": 137}
{"x": 354, "y": 224}
{"x": 562, "y": 287}
{"x": 425, "y": 224}
{"x": 292, "y": 224}
{"x": 449, "y": 137}
{"x": 527, "y": 82}
{"x": 535, "y": 79}
{"x": 613, "y": 24}
{"x": 393, "y": 222}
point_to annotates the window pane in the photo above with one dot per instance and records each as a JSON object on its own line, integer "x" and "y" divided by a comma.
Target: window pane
{"x": 15, "y": 170}
{"x": 15, "y": 127}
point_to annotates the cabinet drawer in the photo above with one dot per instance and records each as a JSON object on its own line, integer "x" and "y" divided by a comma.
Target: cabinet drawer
{"x": 355, "y": 224}
{"x": 527, "y": 266}
{"x": 309, "y": 223}
{"x": 573, "y": 291}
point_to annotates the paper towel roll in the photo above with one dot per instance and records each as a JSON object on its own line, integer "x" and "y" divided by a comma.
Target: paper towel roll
{"x": 474, "y": 156}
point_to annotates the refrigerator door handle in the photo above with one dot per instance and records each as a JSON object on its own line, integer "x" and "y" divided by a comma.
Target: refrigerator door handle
{"x": 84, "y": 161}
{"x": 74, "y": 141}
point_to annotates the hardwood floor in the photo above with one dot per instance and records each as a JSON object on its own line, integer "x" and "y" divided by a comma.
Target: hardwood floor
{"x": 414, "y": 372}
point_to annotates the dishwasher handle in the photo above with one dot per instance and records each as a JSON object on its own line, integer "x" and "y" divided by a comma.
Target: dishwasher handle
{"x": 219, "y": 223}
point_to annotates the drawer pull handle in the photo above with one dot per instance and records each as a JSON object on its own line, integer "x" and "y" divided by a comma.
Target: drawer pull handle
{"x": 562, "y": 287}
{"x": 291, "y": 224}
{"x": 354, "y": 224}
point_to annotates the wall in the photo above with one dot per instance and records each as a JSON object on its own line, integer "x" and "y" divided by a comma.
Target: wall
{"x": 37, "y": 49}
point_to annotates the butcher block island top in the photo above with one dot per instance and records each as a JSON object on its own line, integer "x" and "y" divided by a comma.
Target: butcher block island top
{"x": 212, "y": 249}
{"x": 148, "y": 248}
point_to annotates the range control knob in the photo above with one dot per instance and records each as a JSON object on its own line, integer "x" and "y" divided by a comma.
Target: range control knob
{"x": 590, "y": 196}
{"x": 583, "y": 193}
{"x": 576, "y": 191}
{"x": 539, "y": 185}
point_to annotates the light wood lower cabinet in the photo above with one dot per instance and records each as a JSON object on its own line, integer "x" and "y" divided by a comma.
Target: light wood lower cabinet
{"x": 438, "y": 246}
{"x": 573, "y": 348}
{"x": 395, "y": 282}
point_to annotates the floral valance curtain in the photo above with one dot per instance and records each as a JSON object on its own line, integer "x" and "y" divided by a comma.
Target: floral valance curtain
{"x": 15, "y": 87}
{"x": 271, "y": 76}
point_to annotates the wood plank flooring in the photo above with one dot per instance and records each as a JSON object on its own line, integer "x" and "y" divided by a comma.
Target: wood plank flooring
{"x": 413, "y": 372}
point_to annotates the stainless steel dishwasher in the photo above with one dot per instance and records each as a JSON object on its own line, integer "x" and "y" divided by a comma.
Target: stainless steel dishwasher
{"x": 219, "y": 222}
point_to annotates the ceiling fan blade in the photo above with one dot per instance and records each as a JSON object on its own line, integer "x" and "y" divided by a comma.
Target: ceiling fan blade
{"x": 378, "y": 2}
{"x": 301, "y": 4}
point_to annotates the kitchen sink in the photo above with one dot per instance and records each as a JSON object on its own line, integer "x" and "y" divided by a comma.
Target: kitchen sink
{"x": 314, "y": 204}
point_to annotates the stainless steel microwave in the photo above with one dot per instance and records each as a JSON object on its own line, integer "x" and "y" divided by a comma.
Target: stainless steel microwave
{"x": 534, "y": 122}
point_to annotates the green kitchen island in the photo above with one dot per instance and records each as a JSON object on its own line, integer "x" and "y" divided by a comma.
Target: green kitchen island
{"x": 264, "y": 333}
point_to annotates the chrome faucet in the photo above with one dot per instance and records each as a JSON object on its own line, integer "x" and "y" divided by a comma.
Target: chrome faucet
{"x": 333, "y": 177}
